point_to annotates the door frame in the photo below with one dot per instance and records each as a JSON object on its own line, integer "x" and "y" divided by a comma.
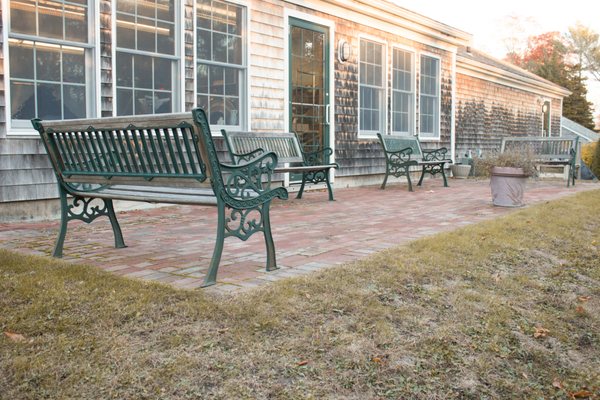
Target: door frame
{"x": 330, "y": 25}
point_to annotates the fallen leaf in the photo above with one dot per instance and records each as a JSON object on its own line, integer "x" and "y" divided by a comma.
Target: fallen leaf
{"x": 584, "y": 299}
{"x": 540, "y": 332}
{"x": 580, "y": 310}
{"x": 15, "y": 337}
{"x": 557, "y": 384}
{"x": 377, "y": 360}
{"x": 301, "y": 363}
{"x": 582, "y": 394}
{"x": 525, "y": 375}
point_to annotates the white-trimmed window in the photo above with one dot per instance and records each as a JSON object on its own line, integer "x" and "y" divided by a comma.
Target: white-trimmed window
{"x": 221, "y": 66}
{"x": 146, "y": 57}
{"x": 429, "y": 100}
{"x": 50, "y": 56}
{"x": 371, "y": 88}
{"x": 403, "y": 92}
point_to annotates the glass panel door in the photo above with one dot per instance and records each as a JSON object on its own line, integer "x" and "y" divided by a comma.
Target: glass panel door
{"x": 309, "y": 84}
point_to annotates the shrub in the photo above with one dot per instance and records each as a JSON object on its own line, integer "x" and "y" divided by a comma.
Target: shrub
{"x": 587, "y": 153}
{"x": 517, "y": 159}
{"x": 595, "y": 167}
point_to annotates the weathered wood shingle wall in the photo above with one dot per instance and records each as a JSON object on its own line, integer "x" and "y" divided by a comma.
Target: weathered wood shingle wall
{"x": 486, "y": 111}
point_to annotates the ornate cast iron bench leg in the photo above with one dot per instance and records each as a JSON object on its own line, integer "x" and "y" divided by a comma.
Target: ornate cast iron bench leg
{"x": 87, "y": 214}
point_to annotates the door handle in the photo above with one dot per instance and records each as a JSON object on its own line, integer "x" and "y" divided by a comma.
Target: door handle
{"x": 327, "y": 115}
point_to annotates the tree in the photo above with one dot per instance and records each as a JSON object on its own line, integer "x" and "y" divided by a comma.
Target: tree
{"x": 547, "y": 56}
{"x": 584, "y": 44}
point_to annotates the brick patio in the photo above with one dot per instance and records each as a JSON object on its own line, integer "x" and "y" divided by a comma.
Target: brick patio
{"x": 174, "y": 244}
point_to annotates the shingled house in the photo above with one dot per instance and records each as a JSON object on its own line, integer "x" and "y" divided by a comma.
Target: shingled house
{"x": 336, "y": 72}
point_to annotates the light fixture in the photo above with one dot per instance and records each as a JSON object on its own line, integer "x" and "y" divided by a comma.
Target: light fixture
{"x": 344, "y": 50}
{"x": 545, "y": 108}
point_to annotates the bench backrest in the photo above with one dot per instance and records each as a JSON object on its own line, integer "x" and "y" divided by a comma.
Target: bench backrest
{"x": 544, "y": 148}
{"x": 140, "y": 150}
{"x": 284, "y": 144}
{"x": 396, "y": 143}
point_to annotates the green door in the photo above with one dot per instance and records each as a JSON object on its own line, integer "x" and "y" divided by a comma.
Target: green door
{"x": 309, "y": 83}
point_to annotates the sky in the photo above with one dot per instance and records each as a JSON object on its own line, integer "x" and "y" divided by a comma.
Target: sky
{"x": 492, "y": 22}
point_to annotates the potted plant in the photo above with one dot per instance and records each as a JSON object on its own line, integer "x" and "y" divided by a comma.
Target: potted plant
{"x": 508, "y": 174}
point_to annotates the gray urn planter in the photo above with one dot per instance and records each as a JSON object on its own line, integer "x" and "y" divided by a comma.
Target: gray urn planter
{"x": 508, "y": 186}
{"x": 460, "y": 171}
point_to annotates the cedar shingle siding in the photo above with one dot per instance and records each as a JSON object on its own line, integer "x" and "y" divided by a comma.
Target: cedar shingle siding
{"x": 485, "y": 109}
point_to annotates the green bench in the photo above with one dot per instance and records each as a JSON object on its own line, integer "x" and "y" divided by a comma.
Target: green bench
{"x": 404, "y": 152}
{"x": 168, "y": 158}
{"x": 314, "y": 166}
{"x": 553, "y": 151}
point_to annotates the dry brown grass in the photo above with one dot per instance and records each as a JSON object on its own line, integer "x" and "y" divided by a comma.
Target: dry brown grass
{"x": 505, "y": 309}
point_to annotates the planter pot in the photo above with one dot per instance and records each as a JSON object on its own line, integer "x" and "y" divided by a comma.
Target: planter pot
{"x": 460, "y": 171}
{"x": 508, "y": 186}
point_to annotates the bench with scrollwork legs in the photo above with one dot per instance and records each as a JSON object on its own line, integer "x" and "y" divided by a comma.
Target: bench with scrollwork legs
{"x": 167, "y": 158}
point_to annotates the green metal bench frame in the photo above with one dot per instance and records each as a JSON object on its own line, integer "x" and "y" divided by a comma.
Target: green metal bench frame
{"x": 167, "y": 158}
{"x": 245, "y": 146}
{"x": 547, "y": 151}
{"x": 404, "y": 152}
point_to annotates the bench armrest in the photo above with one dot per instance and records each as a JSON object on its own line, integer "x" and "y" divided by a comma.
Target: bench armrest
{"x": 249, "y": 184}
{"x": 435, "y": 154}
{"x": 317, "y": 157}
{"x": 399, "y": 156}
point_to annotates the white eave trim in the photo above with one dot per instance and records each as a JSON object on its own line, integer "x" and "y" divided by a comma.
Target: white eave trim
{"x": 490, "y": 73}
{"x": 425, "y": 30}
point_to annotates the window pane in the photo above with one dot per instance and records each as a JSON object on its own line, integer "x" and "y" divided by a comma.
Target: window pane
{"x": 204, "y": 45}
{"x": 49, "y": 100}
{"x": 127, "y": 6}
{"x": 125, "y": 31}
{"x": 231, "y": 82}
{"x": 146, "y": 35}
{"x": 204, "y": 14}
{"x": 124, "y": 65}
{"x": 219, "y": 47}
{"x": 74, "y": 65}
{"x": 51, "y": 20}
{"x": 235, "y": 50}
{"x": 124, "y": 102}
{"x": 166, "y": 38}
{"x": 22, "y": 17}
{"x": 142, "y": 71}
{"x": 48, "y": 62}
{"x": 22, "y": 100}
{"x": 76, "y": 23}
{"x": 219, "y": 16}
{"x": 216, "y": 79}
{"x": 202, "y": 78}
{"x": 217, "y": 111}
{"x": 144, "y": 102}
{"x": 232, "y": 111}
{"x": 165, "y": 10}
{"x": 162, "y": 103}
{"x": 162, "y": 74}
{"x": 74, "y": 101}
{"x": 21, "y": 59}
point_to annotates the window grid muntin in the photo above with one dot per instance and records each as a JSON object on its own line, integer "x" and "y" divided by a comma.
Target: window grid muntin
{"x": 429, "y": 97}
{"x": 372, "y": 90}
{"x": 64, "y": 43}
{"x": 402, "y": 91}
{"x": 223, "y": 108}
{"x": 124, "y": 14}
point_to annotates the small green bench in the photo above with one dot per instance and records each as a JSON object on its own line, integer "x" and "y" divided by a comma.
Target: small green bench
{"x": 403, "y": 152}
{"x": 167, "y": 158}
{"x": 314, "y": 166}
{"x": 553, "y": 151}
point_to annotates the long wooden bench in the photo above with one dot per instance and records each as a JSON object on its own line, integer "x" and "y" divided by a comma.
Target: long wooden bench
{"x": 547, "y": 151}
{"x": 245, "y": 146}
{"x": 168, "y": 158}
{"x": 404, "y": 152}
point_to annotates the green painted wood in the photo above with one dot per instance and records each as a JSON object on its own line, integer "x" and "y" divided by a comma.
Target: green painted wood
{"x": 169, "y": 158}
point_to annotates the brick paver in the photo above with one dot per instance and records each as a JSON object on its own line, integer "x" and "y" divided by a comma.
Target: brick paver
{"x": 174, "y": 245}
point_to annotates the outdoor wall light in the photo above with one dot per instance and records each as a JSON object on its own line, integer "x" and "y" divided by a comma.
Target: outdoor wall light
{"x": 545, "y": 108}
{"x": 344, "y": 50}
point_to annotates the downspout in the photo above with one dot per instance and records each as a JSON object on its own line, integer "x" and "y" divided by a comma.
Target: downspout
{"x": 453, "y": 111}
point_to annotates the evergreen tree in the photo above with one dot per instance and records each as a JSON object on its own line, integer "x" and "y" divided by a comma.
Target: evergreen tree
{"x": 576, "y": 107}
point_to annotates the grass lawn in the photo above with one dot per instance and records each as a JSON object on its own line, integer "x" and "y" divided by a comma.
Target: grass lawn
{"x": 500, "y": 310}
